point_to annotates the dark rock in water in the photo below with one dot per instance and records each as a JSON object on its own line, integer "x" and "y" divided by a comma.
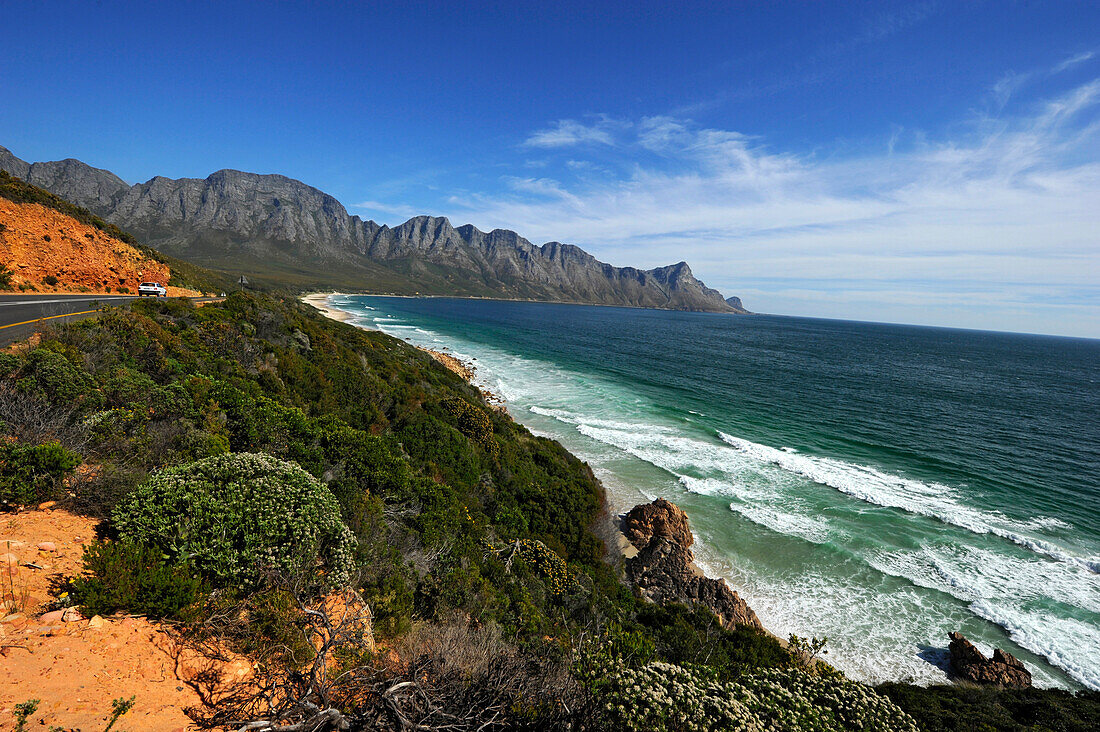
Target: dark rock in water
{"x": 970, "y": 664}
{"x": 664, "y": 572}
{"x": 660, "y": 518}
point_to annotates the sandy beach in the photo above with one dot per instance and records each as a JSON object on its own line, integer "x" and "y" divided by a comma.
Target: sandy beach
{"x": 319, "y": 300}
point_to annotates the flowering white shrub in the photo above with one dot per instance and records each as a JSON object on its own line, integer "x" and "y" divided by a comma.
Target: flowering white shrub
{"x": 663, "y": 696}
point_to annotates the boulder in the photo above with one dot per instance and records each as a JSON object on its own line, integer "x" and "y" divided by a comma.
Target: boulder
{"x": 663, "y": 572}
{"x": 47, "y": 546}
{"x": 970, "y": 664}
{"x": 52, "y": 618}
{"x": 660, "y": 518}
{"x": 15, "y": 620}
{"x": 72, "y": 615}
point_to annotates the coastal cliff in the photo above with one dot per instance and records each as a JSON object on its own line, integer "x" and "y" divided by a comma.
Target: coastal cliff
{"x": 281, "y": 228}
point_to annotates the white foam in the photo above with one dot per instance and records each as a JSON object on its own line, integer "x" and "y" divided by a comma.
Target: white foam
{"x": 1070, "y": 644}
{"x": 933, "y": 500}
{"x": 972, "y": 573}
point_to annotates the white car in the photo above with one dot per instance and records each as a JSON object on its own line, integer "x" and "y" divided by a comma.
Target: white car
{"x": 152, "y": 288}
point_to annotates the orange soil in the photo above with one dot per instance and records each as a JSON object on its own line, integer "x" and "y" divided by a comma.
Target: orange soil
{"x": 78, "y": 255}
{"x": 77, "y": 666}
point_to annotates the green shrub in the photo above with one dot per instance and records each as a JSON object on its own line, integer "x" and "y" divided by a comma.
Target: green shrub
{"x": 50, "y": 279}
{"x": 687, "y": 635}
{"x": 8, "y": 363}
{"x": 235, "y": 515}
{"x": 135, "y": 579}
{"x": 961, "y": 708}
{"x": 54, "y": 377}
{"x": 474, "y": 422}
{"x": 33, "y": 473}
{"x": 543, "y": 560}
{"x": 5, "y": 277}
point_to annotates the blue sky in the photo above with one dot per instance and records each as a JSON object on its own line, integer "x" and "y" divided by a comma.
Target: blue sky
{"x": 922, "y": 162}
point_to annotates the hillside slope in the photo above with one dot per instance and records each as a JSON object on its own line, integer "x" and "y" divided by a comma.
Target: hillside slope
{"x": 48, "y": 251}
{"x": 282, "y": 228}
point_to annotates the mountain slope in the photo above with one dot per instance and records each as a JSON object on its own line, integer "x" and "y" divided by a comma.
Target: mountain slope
{"x": 290, "y": 231}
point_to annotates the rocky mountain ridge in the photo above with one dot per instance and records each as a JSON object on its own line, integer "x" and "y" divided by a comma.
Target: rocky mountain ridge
{"x": 235, "y": 220}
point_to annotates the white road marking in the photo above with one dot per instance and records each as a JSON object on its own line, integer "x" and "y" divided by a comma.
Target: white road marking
{"x": 70, "y": 299}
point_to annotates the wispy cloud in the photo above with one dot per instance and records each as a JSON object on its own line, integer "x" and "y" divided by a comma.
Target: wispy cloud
{"x": 394, "y": 209}
{"x": 1010, "y": 204}
{"x": 569, "y": 133}
{"x": 1074, "y": 60}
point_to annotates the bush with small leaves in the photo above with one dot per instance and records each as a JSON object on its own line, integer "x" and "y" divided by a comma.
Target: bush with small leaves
{"x": 238, "y": 514}
{"x": 474, "y": 422}
{"x": 33, "y": 473}
{"x": 23, "y": 712}
{"x": 135, "y": 579}
{"x": 543, "y": 560}
{"x": 51, "y": 376}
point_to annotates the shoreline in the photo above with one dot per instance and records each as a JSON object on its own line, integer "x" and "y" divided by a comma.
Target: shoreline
{"x": 873, "y": 656}
{"x": 319, "y": 300}
{"x": 548, "y": 302}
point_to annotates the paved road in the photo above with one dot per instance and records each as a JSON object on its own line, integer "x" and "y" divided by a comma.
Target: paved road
{"x": 19, "y": 314}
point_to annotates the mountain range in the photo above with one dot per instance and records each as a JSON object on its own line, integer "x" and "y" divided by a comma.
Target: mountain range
{"x": 270, "y": 227}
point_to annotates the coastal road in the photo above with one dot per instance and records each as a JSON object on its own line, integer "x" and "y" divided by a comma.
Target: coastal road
{"x": 20, "y": 314}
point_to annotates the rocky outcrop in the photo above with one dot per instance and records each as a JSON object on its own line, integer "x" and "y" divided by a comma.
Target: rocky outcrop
{"x": 232, "y": 220}
{"x": 660, "y": 518}
{"x": 735, "y": 303}
{"x": 664, "y": 569}
{"x": 970, "y": 664}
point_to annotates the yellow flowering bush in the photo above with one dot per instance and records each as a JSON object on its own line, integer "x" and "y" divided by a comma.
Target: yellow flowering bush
{"x": 546, "y": 562}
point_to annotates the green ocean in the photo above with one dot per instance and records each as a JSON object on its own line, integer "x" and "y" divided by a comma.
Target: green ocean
{"x": 881, "y": 485}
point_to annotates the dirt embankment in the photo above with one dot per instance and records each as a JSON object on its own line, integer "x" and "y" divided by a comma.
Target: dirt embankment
{"x": 37, "y": 243}
{"x": 74, "y": 665}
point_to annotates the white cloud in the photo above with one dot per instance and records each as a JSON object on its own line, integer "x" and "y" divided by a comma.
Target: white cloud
{"x": 1074, "y": 60}
{"x": 1012, "y": 203}
{"x": 395, "y": 209}
{"x": 570, "y": 133}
